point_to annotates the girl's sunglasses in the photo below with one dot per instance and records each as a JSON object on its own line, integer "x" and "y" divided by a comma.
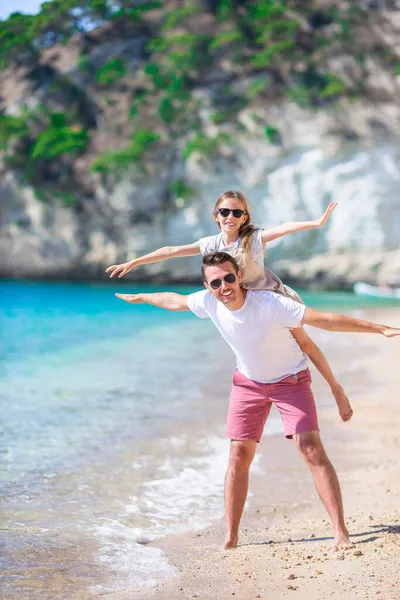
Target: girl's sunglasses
{"x": 225, "y": 212}
{"x": 229, "y": 278}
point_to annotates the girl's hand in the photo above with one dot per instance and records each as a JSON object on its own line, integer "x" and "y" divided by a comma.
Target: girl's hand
{"x": 320, "y": 222}
{"x": 121, "y": 269}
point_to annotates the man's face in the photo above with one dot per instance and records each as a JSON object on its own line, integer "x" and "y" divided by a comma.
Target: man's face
{"x": 227, "y": 292}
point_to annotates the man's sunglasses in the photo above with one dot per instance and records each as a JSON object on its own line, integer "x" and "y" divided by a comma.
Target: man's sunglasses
{"x": 229, "y": 278}
{"x": 225, "y": 212}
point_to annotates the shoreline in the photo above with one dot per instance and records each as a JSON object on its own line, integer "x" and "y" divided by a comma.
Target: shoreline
{"x": 285, "y": 540}
{"x": 309, "y": 284}
{"x": 156, "y": 281}
{"x": 327, "y": 271}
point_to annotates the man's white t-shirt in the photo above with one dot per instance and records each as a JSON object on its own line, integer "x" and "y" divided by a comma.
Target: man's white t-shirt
{"x": 258, "y": 333}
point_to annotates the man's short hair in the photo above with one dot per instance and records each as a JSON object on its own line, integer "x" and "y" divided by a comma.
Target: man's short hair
{"x": 212, "y": 259}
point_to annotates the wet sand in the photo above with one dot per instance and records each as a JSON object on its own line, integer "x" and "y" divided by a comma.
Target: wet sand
{"x": 285, "y": 541}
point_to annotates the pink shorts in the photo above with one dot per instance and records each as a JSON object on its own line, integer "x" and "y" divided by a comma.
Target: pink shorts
{"x": 250, "y": 403}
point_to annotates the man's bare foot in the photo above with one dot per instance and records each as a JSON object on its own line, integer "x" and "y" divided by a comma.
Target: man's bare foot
{"x": 342, "y": 542}
{"x": 342, "y": 401}
{"x": 230, "y": 543}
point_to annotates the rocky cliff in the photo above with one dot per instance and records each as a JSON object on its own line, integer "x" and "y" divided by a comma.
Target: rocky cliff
{"x": 101, "y": 161}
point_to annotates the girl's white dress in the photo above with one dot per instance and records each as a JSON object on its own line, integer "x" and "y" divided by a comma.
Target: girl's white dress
{"x": 255, "y": 275}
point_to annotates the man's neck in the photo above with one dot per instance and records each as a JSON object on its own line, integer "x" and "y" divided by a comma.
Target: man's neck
{"x": 239, "y": 302}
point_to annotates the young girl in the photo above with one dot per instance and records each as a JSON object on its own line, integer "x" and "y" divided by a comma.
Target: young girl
{"x": 246, "y": 243}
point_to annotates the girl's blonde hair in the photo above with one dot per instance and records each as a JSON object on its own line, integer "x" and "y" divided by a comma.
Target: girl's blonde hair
{"x": 247, "y": 228}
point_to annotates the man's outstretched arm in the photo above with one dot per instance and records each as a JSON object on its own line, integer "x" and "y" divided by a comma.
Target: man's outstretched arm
{"x": 334, "y": 322}
{"x": 167, "y": 300}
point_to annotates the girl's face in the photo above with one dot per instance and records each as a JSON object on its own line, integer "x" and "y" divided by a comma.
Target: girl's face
{"x": 230, "y": 223}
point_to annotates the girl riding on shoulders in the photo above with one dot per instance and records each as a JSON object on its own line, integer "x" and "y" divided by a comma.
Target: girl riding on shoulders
{"x": 247, "y": 243}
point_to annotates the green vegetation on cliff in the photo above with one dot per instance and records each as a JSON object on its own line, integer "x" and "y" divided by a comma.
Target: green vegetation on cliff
{"x": 197, "y": 63}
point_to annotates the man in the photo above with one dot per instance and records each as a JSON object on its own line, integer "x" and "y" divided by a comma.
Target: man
{"x": 270, "y": 368}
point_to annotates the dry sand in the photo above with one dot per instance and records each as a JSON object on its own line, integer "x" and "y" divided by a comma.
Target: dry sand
{"x": 285, "y": 532}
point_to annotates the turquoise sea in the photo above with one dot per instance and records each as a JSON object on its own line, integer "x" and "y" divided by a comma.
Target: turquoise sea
{"x": 112, "y": 433}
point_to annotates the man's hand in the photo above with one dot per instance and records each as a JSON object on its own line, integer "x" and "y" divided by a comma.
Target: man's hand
{"x": 335, "y": 322}
{"x": 121, "y": 269}
{"x": 320, "y": 222}
{"x": 131, "y": 298}
{"x": 342, "y": 401}
{"x": 391, "y": 332}
{"x": 168, "y": 300}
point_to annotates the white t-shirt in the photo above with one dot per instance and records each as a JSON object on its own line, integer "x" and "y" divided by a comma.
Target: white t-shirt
{"x": 258, "y": 333}
{"x": 251, "y": 264}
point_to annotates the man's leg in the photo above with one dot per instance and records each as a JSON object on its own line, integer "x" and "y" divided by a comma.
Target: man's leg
{"x": 326, "y": 482}
{"x": 236, "y": 486}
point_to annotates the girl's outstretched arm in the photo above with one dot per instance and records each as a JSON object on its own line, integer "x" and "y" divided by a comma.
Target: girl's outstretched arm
{"x": 317, "y": 357}
{"x": 268, "y": 235}
{"x": 156, "y": 256}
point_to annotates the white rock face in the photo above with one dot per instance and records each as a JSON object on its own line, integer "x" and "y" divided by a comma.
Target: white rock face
{"x": 322, "y": 159}
{"x": 365, "y": 184}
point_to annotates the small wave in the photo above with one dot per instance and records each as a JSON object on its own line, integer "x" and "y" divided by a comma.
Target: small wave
{"x": 185, "y": 495}
{"x": 124, "y": 550}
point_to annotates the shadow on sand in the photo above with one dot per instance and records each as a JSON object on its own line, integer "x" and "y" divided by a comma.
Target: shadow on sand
{"x": 374, "y": 529}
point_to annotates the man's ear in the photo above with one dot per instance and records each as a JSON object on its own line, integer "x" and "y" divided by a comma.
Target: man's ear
{"x": 205, "y": 285}
{"x": 239, "y": 277}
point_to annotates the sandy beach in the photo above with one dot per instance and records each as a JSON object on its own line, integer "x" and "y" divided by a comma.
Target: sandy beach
{"x": 285, "y": 543}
